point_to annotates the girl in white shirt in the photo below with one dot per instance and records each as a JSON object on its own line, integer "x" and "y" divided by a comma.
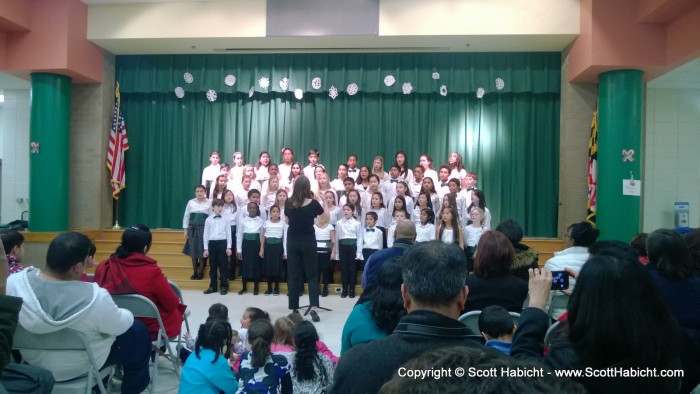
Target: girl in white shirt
{"x": 235, "y": 176}
{"x": 347, "y": 230}
{"x": 425, "y": 230}
{"x": 448, "y": 230}
{"x": 422, "y": 202}
{"x": 401, "y": 161}
{"x": 261, "y": 173}
{"x": 196, "y": 213}
{"x": 377, "y": 206}
{"x": 429, "y": 187}
{"x": 269, "y": 195}
{"x": 456, "y": 166}
{"x": 229, "y": 213}
{"x": 248, "y": 246}
{"x": 427, "y": 163}
{"x": 472, "y": 234}
{"x": 334, "y": 212}
{"x": 273, "y": 249}
{"x": 325, "y": 247}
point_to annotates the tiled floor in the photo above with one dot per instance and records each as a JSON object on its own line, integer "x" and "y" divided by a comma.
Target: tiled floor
{"x": 329, "y": 329}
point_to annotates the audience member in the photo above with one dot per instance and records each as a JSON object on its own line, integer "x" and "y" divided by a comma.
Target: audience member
{"x": 16, "y": 377}
{"x": 434, "y": 294}
{"x": 55, "y": 299}
{"x": 129, "y": 271}
{"x": 492, "y": 282}
{"x": 692, "y": 239}
{"x": 283, "y": 342}
{"x": 639, "y": 244}
{"x": 378, "y": 311}
{"x": 405, "y": 238}
{"x": 13, "y": 242}
{"x": 261, "y": 371}
{"x": 208, "y": 371}
{"x": 311, "y": 371}
{"x": 497, "y": 328}
{"x": 525, "y": 257}
{"x": 297, "y": 318}
{"x": 617, "y": 319}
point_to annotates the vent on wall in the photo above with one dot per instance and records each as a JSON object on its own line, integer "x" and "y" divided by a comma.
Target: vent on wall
{"x": 327, "y": 50}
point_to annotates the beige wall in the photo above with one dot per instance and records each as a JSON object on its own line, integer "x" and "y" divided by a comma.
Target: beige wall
{"x": 578, "y": 101}
{"x": 91, "y": 117}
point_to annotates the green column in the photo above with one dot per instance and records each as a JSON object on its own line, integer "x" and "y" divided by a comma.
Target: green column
{"x": 49, "y": 126}
{"x": 620, "y": 102}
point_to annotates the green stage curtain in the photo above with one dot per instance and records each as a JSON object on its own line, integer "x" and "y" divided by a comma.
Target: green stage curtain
{"x": 510, "y": 137}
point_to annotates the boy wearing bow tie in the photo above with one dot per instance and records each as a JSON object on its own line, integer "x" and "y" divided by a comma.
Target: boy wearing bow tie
{"x": 372, "y": 238}
{"x": 353, "y": 171}
{"x": 217, "y": 243}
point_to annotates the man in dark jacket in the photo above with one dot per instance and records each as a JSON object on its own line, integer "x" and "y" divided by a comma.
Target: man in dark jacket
{"x": 405, "y": 238}
{"x": 434, "y": 294}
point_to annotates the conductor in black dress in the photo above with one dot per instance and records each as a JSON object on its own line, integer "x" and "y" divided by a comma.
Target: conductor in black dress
{"x": 301, "y": 210}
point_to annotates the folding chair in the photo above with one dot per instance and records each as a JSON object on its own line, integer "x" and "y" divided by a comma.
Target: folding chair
{"x": 471, "y": 320}
{"x": 182, "y": 301}
{"x": 69, "y": 340}
{"x": 141, "y": 306}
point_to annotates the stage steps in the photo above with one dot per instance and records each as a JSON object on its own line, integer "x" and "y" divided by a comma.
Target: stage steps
{"x": 167, "y": 251}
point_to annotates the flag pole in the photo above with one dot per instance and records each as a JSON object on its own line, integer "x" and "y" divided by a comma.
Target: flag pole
{"x": 115, "y": 197}
{"x": 116, "y": 215}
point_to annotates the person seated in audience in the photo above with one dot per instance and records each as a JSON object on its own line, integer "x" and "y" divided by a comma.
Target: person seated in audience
{"x": 474, "y": 360}
{"x": 692, "y": 239}
{"x": 13, "y": 242}
{"x": 579, "y": 236}
{"x": 262, "y": 371}
{"x": 283, "y": 342}
{"x": 671, "y": 267}
{"x": 492, "y": 282}
{"x": 639, "y": 243}
{"x": 217, "y": 311}
{"x": 525, "y": 257}
{"x": 311, "y": 371}
{"x": 296, "y": 318}
{"x": 55, "y": 299}
{"x": 208, "y": 371}
{"x": 378, "y": 310}
{"x": 15, "y": 376}
{"x": 617, "y": 319}
{"x": 89, "y": 263}
{"x": 434, "y": 295}
{"x": 497, "y": 328}
{"x": 129, "y": 271}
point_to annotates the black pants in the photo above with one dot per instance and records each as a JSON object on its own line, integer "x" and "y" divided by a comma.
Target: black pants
{"x": 325, "y": 268}
{"x": 302, "y": 260}
{"x": 366, "y": 254}
{"x": 132, "y": 351}
{"x": 218, "y": 262}
{"x": 348, "y": 266}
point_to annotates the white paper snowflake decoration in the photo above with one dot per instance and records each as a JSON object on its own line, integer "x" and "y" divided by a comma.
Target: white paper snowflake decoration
{"x": 436, "y": 75}
{"x": 352, "y": 89}
{"x": 284, "y": 84}
{"x": 443, "y": 90}
{"x": 299, "y": 94}
{"x": 188, "y": 77}
{"x": 333, "y": 92}
{"x": 211, "y": 95}
{"x": 179, "y": 92}
{"x": 480, "y": 93}
{"x": 264, "y": 83}
{"x": 230, "y": 80}
{"x": 316, "y": 83}
{"x": 251, "y": 91}
{"x": 500, "y": 84}
{"x": 389, "y": 80}
{"x": 407, "y": 88}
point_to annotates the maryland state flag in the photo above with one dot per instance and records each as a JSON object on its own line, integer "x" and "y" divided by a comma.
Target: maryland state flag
{"x": 593, "y": 170}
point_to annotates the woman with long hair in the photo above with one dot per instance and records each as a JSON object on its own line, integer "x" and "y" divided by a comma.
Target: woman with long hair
{"x": 617, "y": 319}
{"x": 311, "y": 370}
{"x": 378, "y": 310}
{"x": 302, "y": 261}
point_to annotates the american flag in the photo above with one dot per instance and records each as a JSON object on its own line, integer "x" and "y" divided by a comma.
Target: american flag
{"x": 118, "y": 144}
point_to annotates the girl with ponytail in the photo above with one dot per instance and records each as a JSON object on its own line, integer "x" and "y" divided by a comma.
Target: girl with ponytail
{"x": 262, "y": 371}
{"x": 209, "y": 371}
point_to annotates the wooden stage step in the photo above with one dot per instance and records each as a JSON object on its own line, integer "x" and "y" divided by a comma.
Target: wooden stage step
{"x": 167, "y": 251}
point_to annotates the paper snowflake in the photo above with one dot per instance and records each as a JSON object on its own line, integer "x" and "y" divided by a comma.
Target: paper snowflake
{"x": 284, "y": 84}
{"x": 188, "y": 77}
{"x": 407, "y": 88}
{"x": 179, "y": 92}
{"x": 333, "y": 92}
{"x": 500, "y": 84}
{"x": 298, "y": 93}
{"x": 352, "y": 89}
{"x": 230, "y": 80}
{"x": 316, "y": 83}
{"x": 251, "y": 91}
{"x": 264, "y": 83}
{"x": 443, "y": 90}
{"x": 436, "y": 75}
{"x": 480, "y": 93}
{"x": 211, "y": 95}
{"x": 389, "y": 80}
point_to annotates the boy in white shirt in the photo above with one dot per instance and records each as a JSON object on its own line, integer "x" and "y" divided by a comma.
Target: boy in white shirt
{"x": 372, "y": 238}
{"x": 313, "y": 163}
{"x": 399, "y": 216}
{"x": 211, "y": 171}
{"x": 217, "y": 243}
{"x": 353, "y": 171}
